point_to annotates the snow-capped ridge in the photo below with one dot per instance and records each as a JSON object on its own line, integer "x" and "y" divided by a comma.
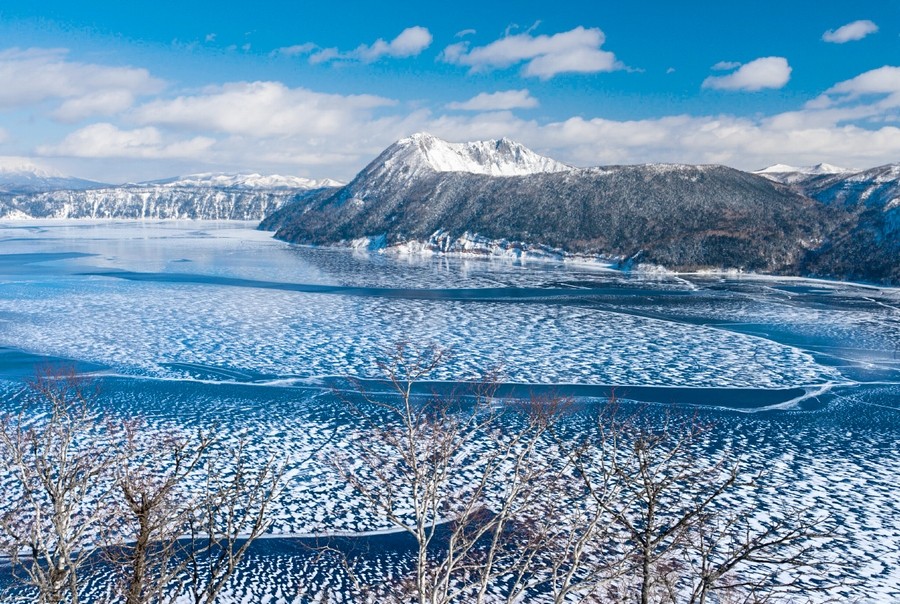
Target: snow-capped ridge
{"x": 207, "y": 196}
{"x": 221, "y": 180}
{"x": 778, "y": 169}
{"x": 822, "y": 168}
{"x": 14, "y": 165}
{"x": 22, "y": 174}
{"x": 791, "y": 175}
{"x": 501, "y": 157}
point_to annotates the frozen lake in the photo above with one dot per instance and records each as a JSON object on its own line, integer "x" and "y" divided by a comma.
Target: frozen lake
{"x": 196, "y": 322}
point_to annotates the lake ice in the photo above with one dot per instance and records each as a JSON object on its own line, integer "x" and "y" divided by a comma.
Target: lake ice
{"x": 193, "y": 322}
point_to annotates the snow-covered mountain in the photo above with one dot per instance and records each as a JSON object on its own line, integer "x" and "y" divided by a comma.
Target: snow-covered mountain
{"x": 199, "y": 196}
{"x": 876, "y": 187}
{"x": 502, "y": 157}
{"x": 868, "y": 247}
{"x": 23, "y": 175}
{"x": 670, "y": 214}
{"x": 789, "y": 175}
{"x": 219, "y": 180}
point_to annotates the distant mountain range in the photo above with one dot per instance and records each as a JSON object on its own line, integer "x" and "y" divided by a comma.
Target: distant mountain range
{"x": 28, "y": 191}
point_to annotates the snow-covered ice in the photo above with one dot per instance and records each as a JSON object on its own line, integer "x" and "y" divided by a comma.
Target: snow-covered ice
{"x": 241, "y": 348}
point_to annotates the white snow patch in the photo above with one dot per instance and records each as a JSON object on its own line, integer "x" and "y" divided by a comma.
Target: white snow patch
{"x": 501, "y": 157}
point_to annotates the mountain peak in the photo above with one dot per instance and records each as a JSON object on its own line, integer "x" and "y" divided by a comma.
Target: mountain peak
{"x": 23, "y": 175}
{"x": 822, "y": 168}
{"x": 500, "y": 157}
{"x": 11, "y": 165}
{"x": 778, "y": 169}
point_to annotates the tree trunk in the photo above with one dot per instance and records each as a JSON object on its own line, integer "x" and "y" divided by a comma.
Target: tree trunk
{"x": 134, "y": 595}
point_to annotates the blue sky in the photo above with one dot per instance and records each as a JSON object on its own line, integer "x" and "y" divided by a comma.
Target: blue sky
{"x": 130, "y": 91}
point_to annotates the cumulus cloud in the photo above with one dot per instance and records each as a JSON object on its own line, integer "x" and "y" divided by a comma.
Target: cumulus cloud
{"x": 36, "y": 75}
{"x": 873, "y": 96}
{"x": 409, "y": 43}
{"x": 575, "y": 51}
{"x": 276, "y": 128}
{"x": 105, "y": 140}
{"x": 856, "y": 30}
{"x": 497, "y": 101}
{"x": 884, "y": 80}
{"x": 766, "y": 72}
{"x": 260, "y": 109}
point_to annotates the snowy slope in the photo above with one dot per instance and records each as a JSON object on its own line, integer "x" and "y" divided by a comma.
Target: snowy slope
{"x": 20, "y": 174}
{"x": 501, "y": 157}
{"x": 868, "y": 246}
{"x": 789, "y": 175}
{"x": 200, "y": 203}
{"x": 422, "y": 192}
{"x": 243, "y": 181}
{"x": 198, "y": 196}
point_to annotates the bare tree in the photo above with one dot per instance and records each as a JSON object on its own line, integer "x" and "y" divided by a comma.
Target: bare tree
{"x": 497, "y": 510}
{"x": 686, "y": 537}
{"x": 231, "y": 515}
{"x": 508, "y": 501}
{"x": 58, "y": 472}
{"x": 418, "y": 469}
{"x": 194, "y": 507}
{"x": 152, "y": 486}
{"x": 168, "y": 511}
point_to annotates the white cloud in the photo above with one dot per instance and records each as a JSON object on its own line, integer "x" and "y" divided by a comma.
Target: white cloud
{"x": 726, "y": 65}
{"x": 268, "y": 126}
{"x": 36, "y": 75}
{"x": 497, "y": 101}
{"x": 884, "y": 80}
{"x": 295, "y": 50}
{"x": 210, "y": 38}
{"x": 872, "y": 96}
{"x": 766, "y": 72}
{"x": 262, "y": 109}
{"x": 850, "y": 32}
{"x": 574, "y": 51}
{"x": 102, "y": 102}
{"x": 465, "y": 32}
{"x": 409, "y": 43}
{"x": 105, "y": 140}
{"x": 739, "y": 142}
